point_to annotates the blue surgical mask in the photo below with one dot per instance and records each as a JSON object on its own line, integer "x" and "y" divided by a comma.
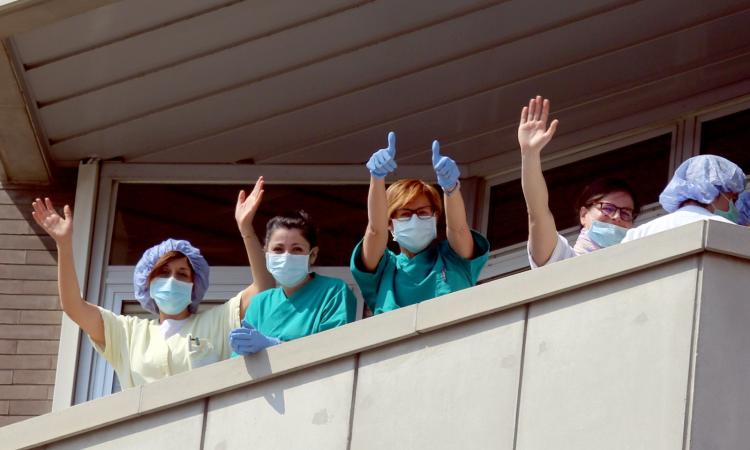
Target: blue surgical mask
{"x": 172, "y": 296}
{"x": 415, "y": 234}
{"x": 732, "y": 214}
{"x": 606, "y": 234}
{"x": 287, "y": 269}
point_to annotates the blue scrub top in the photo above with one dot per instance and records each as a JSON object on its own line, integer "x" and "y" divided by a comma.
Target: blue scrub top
{"x": 401, "y": 281}
{"x": 321, "y": 304}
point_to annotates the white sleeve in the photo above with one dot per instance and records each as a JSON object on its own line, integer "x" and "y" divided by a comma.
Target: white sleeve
{"x": 562, "y": 251}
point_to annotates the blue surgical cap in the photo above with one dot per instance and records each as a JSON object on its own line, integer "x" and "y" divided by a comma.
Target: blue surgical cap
{"x": 702, "y": 178}
{"x": 148, "y": 261}
{"x": 743, "y": 208}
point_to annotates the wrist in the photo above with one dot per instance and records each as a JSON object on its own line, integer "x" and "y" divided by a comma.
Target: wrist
{"x": 66, "y": 245}
{"x": 456, "y": 187}
{"x": 530, "y": 152}
{"x": 247, "y": 234}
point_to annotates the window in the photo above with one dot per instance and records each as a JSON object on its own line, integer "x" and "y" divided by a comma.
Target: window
{"x": 728, "y": 136}
{"x": 644, "y": 165}
{"x": 146, "y": 214}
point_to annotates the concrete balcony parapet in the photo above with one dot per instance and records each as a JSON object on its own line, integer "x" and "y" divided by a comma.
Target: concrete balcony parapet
{"x": 641, "y": 345}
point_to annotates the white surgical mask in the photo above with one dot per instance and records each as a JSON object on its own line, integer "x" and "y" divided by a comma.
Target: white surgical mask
{"x": 287, "y": 269}
{"x": 172, "y": 296}
{"x": 415, "y": 234}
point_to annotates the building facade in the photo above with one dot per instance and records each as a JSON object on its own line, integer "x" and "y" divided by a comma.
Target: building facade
{"x": 148, "y": 118}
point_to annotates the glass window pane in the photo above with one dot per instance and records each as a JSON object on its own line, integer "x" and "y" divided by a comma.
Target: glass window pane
{"x": 728, "y": 136}
{"x": 147, "y": 214}
{"x": 644, "y": 165}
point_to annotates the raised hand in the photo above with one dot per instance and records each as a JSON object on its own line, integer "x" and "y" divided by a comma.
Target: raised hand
{"x": 383, "y": 161}
{"x": 247, "y": 206}
{"x": 247, "y": 340}
{"x": 445, "y": 168}
{"x": 533, "y": 133}
{"x": 59, "y": 228}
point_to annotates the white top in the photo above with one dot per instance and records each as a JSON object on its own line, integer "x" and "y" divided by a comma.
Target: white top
{"x": 140, "y": 353}
{"x": 683, "y": 216}
{"x": 563, "y": 250}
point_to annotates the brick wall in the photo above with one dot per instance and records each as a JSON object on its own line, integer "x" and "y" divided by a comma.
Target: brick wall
{"x": 29, "y": 308}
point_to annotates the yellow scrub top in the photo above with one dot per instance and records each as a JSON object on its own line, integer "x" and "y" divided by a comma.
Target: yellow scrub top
{"x": 140, "y": 354}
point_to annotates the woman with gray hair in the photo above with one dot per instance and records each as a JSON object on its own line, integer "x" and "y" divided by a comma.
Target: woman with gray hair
{"x": 170, "y": 280}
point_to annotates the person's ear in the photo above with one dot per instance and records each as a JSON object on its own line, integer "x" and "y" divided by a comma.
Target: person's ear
{"x": 313, "y": 255}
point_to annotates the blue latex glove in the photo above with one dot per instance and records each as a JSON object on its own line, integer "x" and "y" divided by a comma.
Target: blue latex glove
{"x": 445, "y": 168}
{"x": 247, "y": 340}
{"x": 383, "y": 161}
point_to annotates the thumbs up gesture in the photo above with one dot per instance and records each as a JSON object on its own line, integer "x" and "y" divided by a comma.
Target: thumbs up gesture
{"x": 445, "y": 169}
{"x": 383, "y": 161}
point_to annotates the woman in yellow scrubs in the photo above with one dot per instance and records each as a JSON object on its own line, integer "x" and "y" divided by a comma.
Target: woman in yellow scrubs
{"x": 170, "y": 281}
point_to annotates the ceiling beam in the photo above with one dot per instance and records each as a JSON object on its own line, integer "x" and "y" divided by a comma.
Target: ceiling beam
{"x": 17, "y": 16}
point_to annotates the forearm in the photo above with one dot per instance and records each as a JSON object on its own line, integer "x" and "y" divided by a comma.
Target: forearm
{"x": 457, "y": 227}
{"x": 542, "y": 230}
{"x": 376, "y": 235}
{"x": 84, "y": 314}
{"x": 262, "y": 278}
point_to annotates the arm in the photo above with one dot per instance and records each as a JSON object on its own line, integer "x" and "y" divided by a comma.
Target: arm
{"x": 84, "y": 314}
{"x": 375, "y": 241}
{"x": 533, "y": 135}
{"x": 244, "y": 213}
{"x": 457, "y": 228}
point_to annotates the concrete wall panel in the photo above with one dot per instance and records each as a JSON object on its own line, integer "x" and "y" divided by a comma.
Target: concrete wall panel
{"x": 449, "y": 389}
{"x": 308, "y": 409}
{"x": 178, "y": 427}
{"x": 607, "y": 366}
{"x": 721, "y": 403}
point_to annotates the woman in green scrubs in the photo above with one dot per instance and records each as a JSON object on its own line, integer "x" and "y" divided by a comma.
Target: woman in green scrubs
{"x": 304, "y": 303}
{"x": 425, "y": 267}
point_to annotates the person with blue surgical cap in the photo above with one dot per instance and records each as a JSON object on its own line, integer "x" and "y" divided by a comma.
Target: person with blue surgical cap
{"x": 743, "y": 208}
{"x": 704, "y": 187}
{"x": 170, "y": 280}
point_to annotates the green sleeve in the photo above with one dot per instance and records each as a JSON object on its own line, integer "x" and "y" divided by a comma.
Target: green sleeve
{"x": 368, "y": 282}
{"x": 340, "y": 308}
{"x": 473, "y": 266}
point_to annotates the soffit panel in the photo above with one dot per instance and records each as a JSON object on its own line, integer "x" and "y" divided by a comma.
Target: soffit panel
{"x": 322, "y": 82}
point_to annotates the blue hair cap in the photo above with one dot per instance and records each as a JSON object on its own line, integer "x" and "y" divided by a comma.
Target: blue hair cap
{"x": 149, "y": 260}
{"x": 702, "y": 178}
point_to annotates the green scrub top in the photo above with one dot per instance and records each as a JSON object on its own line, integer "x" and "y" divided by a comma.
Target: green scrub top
{"x": 321, "y": 304}
{"x": 401, "y": 281}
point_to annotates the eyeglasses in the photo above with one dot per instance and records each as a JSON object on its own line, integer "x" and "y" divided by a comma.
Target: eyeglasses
{"x": 404, "y": 214}
{"x": 609, "y": 210}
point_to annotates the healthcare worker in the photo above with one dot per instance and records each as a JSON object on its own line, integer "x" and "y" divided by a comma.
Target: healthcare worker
{"x": 743, "y": 208}
{"x": 704, "y": 187}
{"x": 169, "y": 280}
{"x": 424, "y": 268}
{"x": 304, "y": 303}
{"x": 606, "y": 208}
